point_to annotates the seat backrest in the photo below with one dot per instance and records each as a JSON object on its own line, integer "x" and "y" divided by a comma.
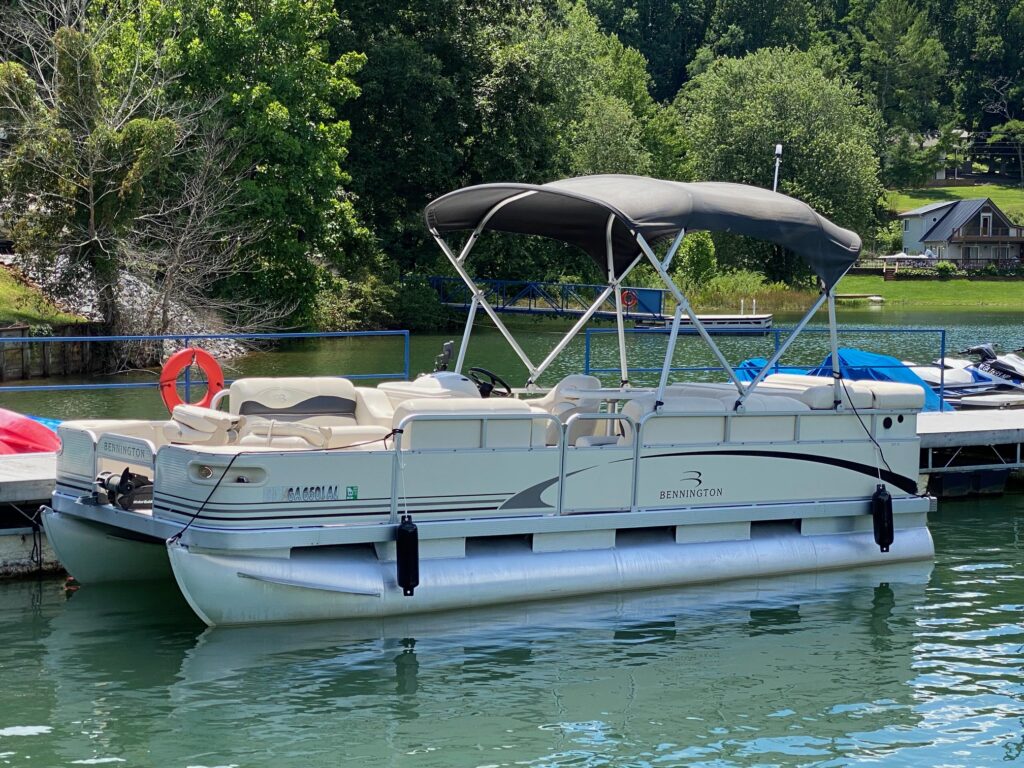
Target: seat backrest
{"x": 557, "y": 403}
{"x": 466, "y": 428}
{"x": 318, "y": 400}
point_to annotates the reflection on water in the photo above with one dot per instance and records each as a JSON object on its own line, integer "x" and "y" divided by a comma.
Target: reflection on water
{"x": 898, "y": 665}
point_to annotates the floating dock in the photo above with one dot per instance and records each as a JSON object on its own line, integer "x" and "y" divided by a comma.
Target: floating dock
{"x": 26, "y": 481}
{"x": 965, "y": 452}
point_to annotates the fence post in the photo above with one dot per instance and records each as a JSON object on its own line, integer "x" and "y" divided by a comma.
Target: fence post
{"x": 188, "y": 375}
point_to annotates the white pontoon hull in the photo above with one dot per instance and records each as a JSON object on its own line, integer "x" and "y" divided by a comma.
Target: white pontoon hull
{"x": 225, "y": 588}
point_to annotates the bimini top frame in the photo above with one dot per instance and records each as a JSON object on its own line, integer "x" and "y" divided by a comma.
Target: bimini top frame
{"x": 617, "y": 220}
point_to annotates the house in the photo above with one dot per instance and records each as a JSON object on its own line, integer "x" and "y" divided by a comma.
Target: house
{"x": 971, "y": 233}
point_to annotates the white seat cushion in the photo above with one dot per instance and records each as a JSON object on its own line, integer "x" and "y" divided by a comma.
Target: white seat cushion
{"x": 194, "y": 424}
{"x": 315, "y": 399}
{"x": 462, "y": 430}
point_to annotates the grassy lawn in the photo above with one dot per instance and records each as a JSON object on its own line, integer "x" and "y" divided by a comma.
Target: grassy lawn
{"x": 1009, "y": 198}
{"x": 939, "y": 293}
{"x": 20, "y": 303}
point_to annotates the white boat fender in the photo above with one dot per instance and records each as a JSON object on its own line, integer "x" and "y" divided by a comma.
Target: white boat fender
{"x": 407, "y": 555}
{"x": 881, "y": 516}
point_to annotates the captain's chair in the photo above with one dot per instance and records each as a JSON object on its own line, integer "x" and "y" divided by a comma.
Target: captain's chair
{"x": 558, "y": 403}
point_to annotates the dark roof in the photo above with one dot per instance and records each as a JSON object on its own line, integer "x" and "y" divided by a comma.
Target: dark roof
{"x": 926, "y": 209}
{"x": 955, "y": 217}
{"x": 577, "y": 211}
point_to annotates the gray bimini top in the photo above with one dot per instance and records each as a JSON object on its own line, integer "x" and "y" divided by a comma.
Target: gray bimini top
{"x": 577, "y": 211}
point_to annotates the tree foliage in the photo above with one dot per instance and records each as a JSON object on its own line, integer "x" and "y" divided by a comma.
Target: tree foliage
{"x": 738, "y": 109}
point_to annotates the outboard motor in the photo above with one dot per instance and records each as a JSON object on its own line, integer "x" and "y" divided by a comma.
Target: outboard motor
{"x": 123, "y": 490}
{"x": 442, "y": 360}
{"x": 881, "y": 516}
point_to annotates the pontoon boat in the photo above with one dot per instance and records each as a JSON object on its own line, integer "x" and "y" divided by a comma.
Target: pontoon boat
{"x": 312, "y": 498}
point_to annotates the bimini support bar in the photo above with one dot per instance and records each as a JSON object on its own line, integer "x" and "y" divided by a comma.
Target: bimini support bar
{"x": 620, "y": 321}
{"x": 681, "y": 300}
{"x": 782, "y": 349}
{"x": 475, "y": 234}
{"x": 470, "y": 318}
{"x": 673, "y": 336}
{"x": 578, "y": 326}
{"x": 833, "y": 332}
{"x": 479, "y": 296}
{"x": 673, "y": 249}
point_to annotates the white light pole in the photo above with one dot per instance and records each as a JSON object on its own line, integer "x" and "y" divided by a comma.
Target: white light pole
{"x": 778, "y": 162}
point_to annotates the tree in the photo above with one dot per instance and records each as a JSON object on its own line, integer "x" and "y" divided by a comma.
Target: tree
{"x": 733, "y": 115}
{"x": 266, "y": 68}
{"x": 902, "y": 64}
{"x": 87, "y": 131}
{"x": 666, "y": 32}
{"x": 1012, "y": 133}
{"x": 738, "y": 27}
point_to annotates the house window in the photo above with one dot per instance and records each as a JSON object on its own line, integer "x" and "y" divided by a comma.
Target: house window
{"x": 906, "y": 225}
{"x": 1001, "y": 252}
{"x": 969, "y": 253}
{"x": 942, "y": 252}
{"x": 986, "y": 225}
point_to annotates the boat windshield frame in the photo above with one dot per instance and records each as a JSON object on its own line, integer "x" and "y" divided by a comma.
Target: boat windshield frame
{"x": 615, "y": 275}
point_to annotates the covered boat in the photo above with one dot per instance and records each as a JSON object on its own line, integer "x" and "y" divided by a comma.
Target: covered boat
{"x": 22, "y": 434}
{"x": 312, "y": 498}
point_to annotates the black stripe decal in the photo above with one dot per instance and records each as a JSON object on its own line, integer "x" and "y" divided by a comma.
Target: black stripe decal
{"x": 473, "y": 496}
{"x": 905, "y": 484}
{"x": 531, "y": 497}
{"x": 328, "y": 515}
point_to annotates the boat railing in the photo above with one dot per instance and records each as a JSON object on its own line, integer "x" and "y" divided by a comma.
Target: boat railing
{"x": 399, "y": 456}
{"x": 188, "y": 340}
{"x": 778, "y": 334}
{"x": 638, "y": 444}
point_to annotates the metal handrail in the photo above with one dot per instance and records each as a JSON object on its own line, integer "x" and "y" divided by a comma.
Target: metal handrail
{"x": 776, "y": 333}
{"x": 565, "y": 432}
{"x": 399, "y": 430}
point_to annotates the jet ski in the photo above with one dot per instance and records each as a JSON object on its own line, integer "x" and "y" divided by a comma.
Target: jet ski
{"x": 1006, "y": 370}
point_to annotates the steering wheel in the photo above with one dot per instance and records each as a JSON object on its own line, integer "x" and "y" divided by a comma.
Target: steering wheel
{"x": 494, "y": 385}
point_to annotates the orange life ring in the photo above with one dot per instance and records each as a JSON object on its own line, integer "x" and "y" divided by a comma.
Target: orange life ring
{"x": 177, "y": 363}
{"x": 629, "y": 299}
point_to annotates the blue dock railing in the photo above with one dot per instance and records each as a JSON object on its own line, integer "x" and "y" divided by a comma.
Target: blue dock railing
{"x": 778, "y": 334}
{"x": 187, "y": 340}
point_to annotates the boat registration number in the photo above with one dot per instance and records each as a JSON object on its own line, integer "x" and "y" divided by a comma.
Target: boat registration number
{"x": 312, "y": 493}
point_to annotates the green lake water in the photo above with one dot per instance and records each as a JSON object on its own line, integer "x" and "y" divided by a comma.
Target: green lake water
{"x": 916, "y": 665}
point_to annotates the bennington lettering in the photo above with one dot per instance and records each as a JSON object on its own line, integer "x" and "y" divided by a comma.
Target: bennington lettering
{"x": 126, "y": 451}
{"x": 690, "y": 493}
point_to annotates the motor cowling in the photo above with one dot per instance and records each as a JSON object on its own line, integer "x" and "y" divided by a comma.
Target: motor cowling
{"x": 881, "y": 517}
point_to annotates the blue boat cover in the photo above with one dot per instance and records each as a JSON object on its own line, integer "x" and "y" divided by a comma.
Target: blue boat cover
{"x": 856, "y": 365}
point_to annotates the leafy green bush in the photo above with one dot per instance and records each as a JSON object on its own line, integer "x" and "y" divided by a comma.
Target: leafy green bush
{"x": 946, "y": 269}
{"x": 419, "y": 306}
{"x": 352, "y": 305}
